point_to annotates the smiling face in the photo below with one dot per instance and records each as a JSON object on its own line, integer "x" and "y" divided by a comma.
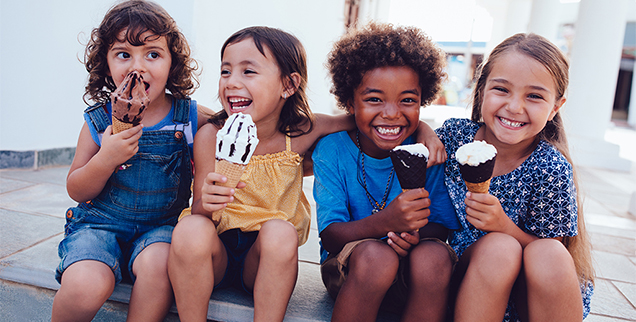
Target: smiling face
{"x": 251, "y": 82}
{"x": 152, "y": 60}
{"x": 386, "y": 106}
{"x": 519, "y": 98}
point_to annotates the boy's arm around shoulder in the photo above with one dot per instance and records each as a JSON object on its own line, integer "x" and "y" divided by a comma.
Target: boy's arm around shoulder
{"x": 428, "y": 137}
{"x": 324, "y": 125}
{"x": 93, "y": 165}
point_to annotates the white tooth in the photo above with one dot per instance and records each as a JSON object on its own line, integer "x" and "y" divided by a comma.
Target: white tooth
{"x": 511, "y": 123}
{"x": 392, "y": 131}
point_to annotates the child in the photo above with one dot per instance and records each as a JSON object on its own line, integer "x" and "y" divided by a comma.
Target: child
{"x": 524, "y": 252}
{"x": 263, "y": 74}
{"x": 131, "y": 186}
{"x": 382, "y": 75}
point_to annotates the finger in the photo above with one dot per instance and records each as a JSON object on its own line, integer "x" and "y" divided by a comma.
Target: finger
{"x": 401, "y": 252}
{"x": 213, "y": 177}
{"x": 413, "y": 238}
{"x": 241, "y": 185}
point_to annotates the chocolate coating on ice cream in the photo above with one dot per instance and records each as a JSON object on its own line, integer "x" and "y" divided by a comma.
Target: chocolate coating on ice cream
{"x": 476, "y": 161}
{"x": 409, "y": 162}
{"x": 130, "y": 100}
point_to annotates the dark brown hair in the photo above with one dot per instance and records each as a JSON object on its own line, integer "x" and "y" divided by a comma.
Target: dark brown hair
{"x": 551, "y": 57}
{"x": 290, "y": 56}
{"x": 381, "y": 45}
{"x": 137, "y": 17}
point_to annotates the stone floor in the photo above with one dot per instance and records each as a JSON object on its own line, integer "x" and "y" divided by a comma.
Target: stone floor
{"x": 33, "y": 203}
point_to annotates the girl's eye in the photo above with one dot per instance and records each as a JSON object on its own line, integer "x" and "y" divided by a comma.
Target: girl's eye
{"x": 153, "y": 55}
{"x": 225, "y": 72}
{"x": 372, "y": 99}
{"x": 535, "y": 96}
{"x": 249, "y": 71}
{"x": 409, "y": 100}
{"x": 501, "y": 89}
{"x": 123, "y": 55}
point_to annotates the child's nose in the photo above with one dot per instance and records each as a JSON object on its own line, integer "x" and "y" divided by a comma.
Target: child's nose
{"x": 390, "y": 111}
{"x": 516, "y": 105}
{"x": 138, "y": 64}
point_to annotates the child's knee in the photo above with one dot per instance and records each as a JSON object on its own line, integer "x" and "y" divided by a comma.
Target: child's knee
{"x": 431, "y": 260}
{"x": 193, "y": 235}
{"x": 548, "y": 262}
{"x": 91, "y": 281}
{"x": 373, "y": 261}
{"x": 278, "y": 236}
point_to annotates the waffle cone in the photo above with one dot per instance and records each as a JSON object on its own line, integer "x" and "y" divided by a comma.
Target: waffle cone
{"x": 233, "y": 172}
{"x": 481, "y": 187}
{"x": 119, "y": 126}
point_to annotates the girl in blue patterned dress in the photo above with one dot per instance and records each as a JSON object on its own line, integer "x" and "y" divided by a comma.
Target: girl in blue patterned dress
{"x": 524, "y": 252}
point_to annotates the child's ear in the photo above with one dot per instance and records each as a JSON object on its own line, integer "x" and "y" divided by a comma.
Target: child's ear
{"x": 291, "y": 85}
{"x": 557, "y": 106}
{"x": 350, "y": 110}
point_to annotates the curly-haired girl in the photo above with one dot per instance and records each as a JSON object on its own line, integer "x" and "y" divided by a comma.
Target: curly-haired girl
{"x": 383, "y": 75}
{"x": 131, "y": 186}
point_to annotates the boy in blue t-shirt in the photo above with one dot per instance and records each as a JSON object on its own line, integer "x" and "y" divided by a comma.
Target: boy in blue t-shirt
{"x": 381, "y": 246}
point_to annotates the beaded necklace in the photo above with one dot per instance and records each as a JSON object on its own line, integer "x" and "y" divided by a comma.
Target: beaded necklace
{"x": 377, "y": 206}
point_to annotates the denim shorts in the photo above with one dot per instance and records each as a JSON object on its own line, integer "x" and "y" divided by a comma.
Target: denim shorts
{"x": 89, "y": 236}
{"x": 237, "y": 244}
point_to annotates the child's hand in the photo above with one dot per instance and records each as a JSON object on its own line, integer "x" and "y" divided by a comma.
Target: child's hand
{"x": 215, "y": 197}
{"x": 408, "y": 211}
{"x": 118, "y": 148}
{"x": 403, "y": 242}
{"x": 484, "y": 211}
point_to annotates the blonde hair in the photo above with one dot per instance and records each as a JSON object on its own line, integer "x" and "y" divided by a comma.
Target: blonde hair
{"x": 546, "y": 53}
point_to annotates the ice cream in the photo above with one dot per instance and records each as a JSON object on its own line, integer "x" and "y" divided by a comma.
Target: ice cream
{"x": 235, "y": 144}
{"x": 129, "y": 102}
{"x": 476, "y": 162}
{"x": 409, "y": 162}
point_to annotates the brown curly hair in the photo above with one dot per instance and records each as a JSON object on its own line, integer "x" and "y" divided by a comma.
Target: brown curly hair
{"x": 381, "y": 45}
{"x": 137, "y": 17}
{"x": 290, "y": 56}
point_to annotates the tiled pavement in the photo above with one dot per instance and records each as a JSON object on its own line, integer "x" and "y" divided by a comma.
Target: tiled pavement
{"x": 33, "y": 203}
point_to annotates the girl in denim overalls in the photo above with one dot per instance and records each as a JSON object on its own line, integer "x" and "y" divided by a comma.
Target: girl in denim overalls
{"x": 130, "y": 186}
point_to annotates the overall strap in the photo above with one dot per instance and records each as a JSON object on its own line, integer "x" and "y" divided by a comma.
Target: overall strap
{"x": 181, "y": 111}
{"x": 98, "y": 116}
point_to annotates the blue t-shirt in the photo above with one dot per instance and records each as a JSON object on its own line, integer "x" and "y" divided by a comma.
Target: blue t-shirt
{"x": 538, "y": 196}
{"x": 341, "y": 198}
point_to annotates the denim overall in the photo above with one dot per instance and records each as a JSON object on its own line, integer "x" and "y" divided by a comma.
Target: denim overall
{"x": 139, "y": 204}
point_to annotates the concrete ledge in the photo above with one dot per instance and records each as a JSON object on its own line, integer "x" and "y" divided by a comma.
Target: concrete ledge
{"x": 36, "y": 159}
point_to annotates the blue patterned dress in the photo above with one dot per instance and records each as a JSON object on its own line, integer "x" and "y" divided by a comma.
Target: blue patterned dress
{"x": 539, "y": 195}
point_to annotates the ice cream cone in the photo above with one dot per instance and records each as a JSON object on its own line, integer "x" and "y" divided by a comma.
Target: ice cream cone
{"x": 233, "y": 172}
{"x": 409, "y": 162}
{"x": 481, "y": 187}
{"x": 119, "y": 126}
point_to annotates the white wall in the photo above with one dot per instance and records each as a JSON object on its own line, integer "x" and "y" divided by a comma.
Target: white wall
{"x": 42, "y": 42}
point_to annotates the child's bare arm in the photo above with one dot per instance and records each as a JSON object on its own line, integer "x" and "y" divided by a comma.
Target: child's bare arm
{"x": 92, "y": 166}
{"x": 203, "y": 114}
{"x": 428, "y": 137}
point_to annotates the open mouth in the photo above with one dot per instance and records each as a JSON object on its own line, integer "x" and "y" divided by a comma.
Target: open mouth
{"x": 239, "y": 103}
{"x": 511, "y": 123}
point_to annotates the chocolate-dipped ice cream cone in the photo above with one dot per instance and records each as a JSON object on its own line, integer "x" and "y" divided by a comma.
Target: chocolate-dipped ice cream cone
{"x": 476, "y": 163}
{"x": 409, "y": 162}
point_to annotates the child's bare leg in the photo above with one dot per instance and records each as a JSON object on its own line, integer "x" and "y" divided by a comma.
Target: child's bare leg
{"x": 493, "y": 264}
{"x": 372, "y": 269}
{"x": 196, "y": 262}
{"x": 151, "y": 295}
{"x": 430, "y": 267}
{"x": 553, "y": 291}
{"x": 271, "y": 269}
{"x": 86, "y": 285}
